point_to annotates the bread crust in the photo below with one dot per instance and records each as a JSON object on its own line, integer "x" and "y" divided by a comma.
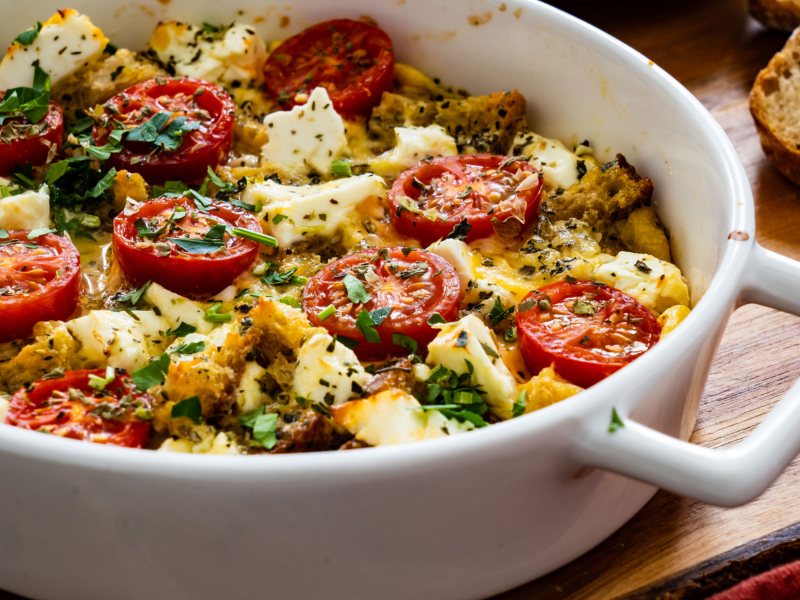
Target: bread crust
{"x": 780, "y": 147}
{"x": 779, "y": 14}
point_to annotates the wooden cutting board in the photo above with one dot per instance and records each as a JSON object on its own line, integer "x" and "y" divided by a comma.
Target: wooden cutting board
{"x": 674, "y": 547}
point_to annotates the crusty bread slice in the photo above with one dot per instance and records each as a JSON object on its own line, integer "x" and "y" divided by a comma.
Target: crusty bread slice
{"x": 780, "y": 14}
{"x": 775, "y": 106}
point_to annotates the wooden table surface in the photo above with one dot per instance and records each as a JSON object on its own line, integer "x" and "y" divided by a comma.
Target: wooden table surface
{"x": 675, "y": 547}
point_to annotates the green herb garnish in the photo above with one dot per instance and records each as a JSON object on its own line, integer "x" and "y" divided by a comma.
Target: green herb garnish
{"x": 191, "y": 408}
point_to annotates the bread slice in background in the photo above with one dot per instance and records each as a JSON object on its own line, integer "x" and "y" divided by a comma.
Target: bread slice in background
{"x": 780, "y": 14}
{"x": 775, "y": 106}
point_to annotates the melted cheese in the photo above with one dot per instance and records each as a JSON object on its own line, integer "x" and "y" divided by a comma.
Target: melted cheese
{"x": 67, "y": 41}
{"x": 234, "y": 54}
{"x": 412, "y": 145}
{"x": 394, "y": 417}
{"x": 310, "y": 210}
{"x": 470, "y": 340}
{"x": 306, "y": 138}
{"x": 208, "y": 441}
{"x": 175, "y": 309}
{"x": 27, "y": 210}
{"x": 328, "y": 372}
{"x": 560, "y": 167}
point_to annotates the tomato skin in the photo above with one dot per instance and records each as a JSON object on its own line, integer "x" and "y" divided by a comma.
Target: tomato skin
{"x": 47, "y": 406}
{"x": 193, "y": 275}
{"x": 36, "y": 284}
{"x": 201, "y": 101}
{"x": 33, "y": 150}
{"x": 480, "y": 189}
{"x": 409, "y": 314}
{"x": 352, "y": 60}
{"x": 588, "y": 347}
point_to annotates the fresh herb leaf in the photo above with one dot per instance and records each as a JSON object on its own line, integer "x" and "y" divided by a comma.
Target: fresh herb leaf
{"x": 327, "y": 312}
{"x": 341, "y": 168}
{"x": 163, "y": 130}
{"x": 261, "y": 238}
{"x": 170, "y": 189}
{"x": 520, "y": 405}
{"x": 152, "y": 374}
{"x": 287, "y": 278}
{"x": 491, "y": 352}
{"x": 99, "y": 383}
{"x": 498, "y": 314}
{"x": 181, "y": 330}
{"x": 191, "y": 347}
{"x": 410, "y": 344}
{"x": 223, "y": 186}
{"x": 418, "y": 268}
{"x": 616, "y": 422}
{"x": 346, "y": 341}
{"x": 584, "y": 307}
{"x": 262, "y": 425}
{"x": 132, "y": 297}
{"x": 436, "y": 319}
{"x": 32, "y": 103}
{"x": 510, "y": 334}
{"x": 356, "y": 292}
{"x": 27, "y": 37}
{"x": 278, "y": 218}
{"x": 105, "y": 184}
{"x": 290, "y": 301}
{"x": 189, "y": 408}
{"x": 213, "y": 240}
{"x": 367, "y": 320}
{"x": 40, "y": 231}
{"x": 214, "y": 316}
{"x": 460, "y": 231}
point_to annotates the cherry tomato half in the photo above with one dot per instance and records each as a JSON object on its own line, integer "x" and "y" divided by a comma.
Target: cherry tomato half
{"x": 586, "y": 330}
{"x": 30, "y": 144}
{"x": 189, "y": 251}
{"x": 70, "y": 407}
{"x": 352, "y": 60}
{"x": 40, "y": 280}
{"x": 195, "y": 117}
{"x": 479, "y": 195}
{"x": 414, "y": 284}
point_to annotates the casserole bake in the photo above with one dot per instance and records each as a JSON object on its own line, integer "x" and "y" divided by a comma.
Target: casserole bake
{"x": 408, "y": 481}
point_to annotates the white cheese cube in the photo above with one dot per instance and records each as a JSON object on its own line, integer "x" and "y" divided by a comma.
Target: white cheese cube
{"x": 327, "y": 372}
{"x": 653, "y": 282}
{"x": 234, "y": 54}
{"x": 174, "y": 308}
{"x": 28, "y": 210}
{"x": 249, "y": 394}
{"x": 468, "y": 339}
{"x": 305, "y": 211}
{"x": 394, "y": 417}
{"x": 307, "y": 137}
{"x": 559, "y": 166}
{"x": 119, "y": 339}
{"x": 67, "y": 41}
{"x": 412, "y": 145}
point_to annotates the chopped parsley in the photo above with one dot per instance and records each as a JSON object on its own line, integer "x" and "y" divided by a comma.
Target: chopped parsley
{"x": 183, "y": 329}
{"x": 460, "y": 231}
{"x": 520, "y": 404}
{"x": 40, "y": 232}
{"x": 214, "y": 316}
{"x": 27, "y": 37}
{"x": 191, "y": 408}
{"x": 286, "y": 278}
{"x": 191, "y": 347}
{"x": 163, "y": 130}
{"x": 152, "y": 374}
{"x": 454, "y": 395}
{"x": 498, "y": 314}
{"x": 132, "y": 297}
{"x": 367, "y": 320}
{"x": 616, "y": 421}
{"x": 31, "y": 103}
{"x": 436, "y": 319}
{"x": 410, "y": 344}
{"x": 213, "y": 240}
{"x": 262, "y": 425}
{"x": 356, "y": 292}
{"x": 99, "y": 383}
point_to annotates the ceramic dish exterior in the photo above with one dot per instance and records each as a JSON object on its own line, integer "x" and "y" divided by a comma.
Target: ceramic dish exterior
{"x": 463, "y": 517}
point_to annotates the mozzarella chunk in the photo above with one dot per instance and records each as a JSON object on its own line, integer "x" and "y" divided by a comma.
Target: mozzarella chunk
{"x": 308, "y": 137}
{"x": 412, "y": 145}
{"x": 655, "y": 283}
{"x": 394, "y": 417}
{"x": 310, "y": 210}
{"x": 235, "y": 54}
{"x": 208, "y": 442}
{"x": 327, "y": 371}
{"x": 468, "y": 339}
{"x": 560, "y": 167}
{"x": 67, "y": 41}
{"x": 28, "y": 210}
{"x": 122, "y": 340}
{"x": 174, "y": 308}
{"x": 248, "y": 393}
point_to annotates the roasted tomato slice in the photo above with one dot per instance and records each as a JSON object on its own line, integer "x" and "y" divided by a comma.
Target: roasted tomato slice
{"x": 466, "y": 196}
{"x": 586, "y": 330}
{"x": 175, "y": 128}
{"x": 189, "y": 251}
{"x": 40, "y": 280}
{"x": 30, "y": 144}
{"x": 85, "y": 405}
{"x": 371, "y": 295}
{"x": 352, "y": 60}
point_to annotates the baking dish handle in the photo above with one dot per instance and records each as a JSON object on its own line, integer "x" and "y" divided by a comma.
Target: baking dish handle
{"x": 728, "y": 476}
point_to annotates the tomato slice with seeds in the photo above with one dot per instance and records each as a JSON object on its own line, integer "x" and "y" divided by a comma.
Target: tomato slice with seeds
{"x": 69, "y": 406}
{"x": 352, "y": 60}
{"x": 24, "y": 144}
{"x": 39, "y": 281}
{"x": 183, "y": 127}
{"x": 586, "y": 330}
{"x": 185, "y": 249}
{"x": 413, "y": 284}
{"x": 470, "y": 197}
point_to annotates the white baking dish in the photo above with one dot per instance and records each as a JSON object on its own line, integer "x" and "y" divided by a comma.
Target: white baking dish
{"x": 462, "y": 517}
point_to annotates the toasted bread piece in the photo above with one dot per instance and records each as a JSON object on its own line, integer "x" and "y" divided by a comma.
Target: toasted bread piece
{"x": 775, "y": 106}
{"x": 779, "y": 14}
